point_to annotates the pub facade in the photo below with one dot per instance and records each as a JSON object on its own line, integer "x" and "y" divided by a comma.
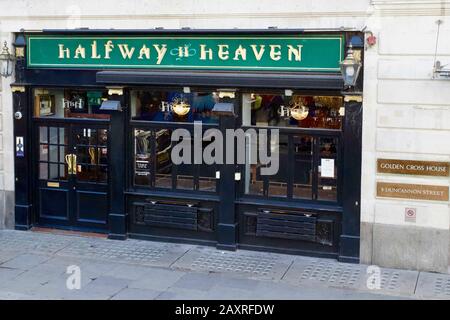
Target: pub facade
{"x": 283, "y": 139}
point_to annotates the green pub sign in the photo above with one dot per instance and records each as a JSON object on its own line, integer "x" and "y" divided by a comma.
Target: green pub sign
{"x": 252, "y": 52}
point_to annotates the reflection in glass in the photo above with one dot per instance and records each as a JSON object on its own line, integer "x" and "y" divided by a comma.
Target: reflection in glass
{"x": 163, "y": 176}
{"x": 278, "y": 182}
{"x": 69, "y": 103}
{"x": 303, "y": 161}
{"x": 43, "y": 171}
{"x": 43, "y": 152}
{"x": 53, "y": 138}
{"x": 43, "y": 135}
{"x": 173, "y": 106}
{"x": 53, "y": 153}
{"x": 292, "y": 111}
{"x": 54, "y": 171}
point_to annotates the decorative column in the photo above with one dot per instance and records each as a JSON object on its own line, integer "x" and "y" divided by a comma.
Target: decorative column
{"x": 22, "y": 109}
{"x": 352, "y": 135}
{"x": 227, "y": 225}
{"x": 22, "y": 158}
{"x": 117, "y": 218}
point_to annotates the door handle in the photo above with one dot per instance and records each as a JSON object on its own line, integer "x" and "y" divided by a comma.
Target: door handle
{"x": 71, "y": 160}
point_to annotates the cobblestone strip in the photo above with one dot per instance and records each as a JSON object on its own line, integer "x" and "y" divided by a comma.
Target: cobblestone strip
{"x": 242, "y": 262}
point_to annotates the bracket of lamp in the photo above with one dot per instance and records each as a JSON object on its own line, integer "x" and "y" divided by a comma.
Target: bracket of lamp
{"x": 440, "y": 72}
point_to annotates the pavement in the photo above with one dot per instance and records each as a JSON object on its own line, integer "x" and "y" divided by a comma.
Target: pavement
{"x": 42, "y": 265}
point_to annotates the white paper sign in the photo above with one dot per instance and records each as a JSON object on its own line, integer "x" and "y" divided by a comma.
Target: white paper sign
{"x": 327, "y": 168}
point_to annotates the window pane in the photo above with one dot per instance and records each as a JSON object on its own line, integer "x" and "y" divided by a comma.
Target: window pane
{"x": 53, "y": 153}
{"x": 43, "y": 152}
{"x": 63, "y": 172}
{"x": 43, "y": 171}
{"x": 303, "y": 161}
{"x": 86, "y": 172}
{"x": 278, "y": 181}
{"x": 292, "y": 111}
{"x": 86, "y": 136}
{"x": 163, "y": 178}
{"x": 53, "y": 138}
{"x": 327, "y": 188}
{"x": 62, "y": 136}
{"x": 173, "y": 106}
{"x": 43, "y": 138}
{"x": 142, "y": 157}
{"x": 69, "y": 103}
{"x": 54, "y": 171}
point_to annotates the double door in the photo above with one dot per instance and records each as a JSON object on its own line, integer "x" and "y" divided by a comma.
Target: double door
{"x": 72, "y": 175}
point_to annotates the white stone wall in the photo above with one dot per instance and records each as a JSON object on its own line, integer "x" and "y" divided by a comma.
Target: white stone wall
{"x": 406, "y": 116}
{"x": 406, "y": 113}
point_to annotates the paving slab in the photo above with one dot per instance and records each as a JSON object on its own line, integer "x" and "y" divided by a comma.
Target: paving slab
{"x": 157, "y": 279}
{"x": 25, "y": 261}
{"x": 245, "y": 263}
{"x": 136, "y": 294}
{"x": 8, "y": 274}
{"x": 433, "y": 286}
{"x": 316, "y": 272}
{"x": 6, "y": 255}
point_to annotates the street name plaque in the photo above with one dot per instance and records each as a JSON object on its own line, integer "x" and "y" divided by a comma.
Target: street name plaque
{"x": 412, "y": 191}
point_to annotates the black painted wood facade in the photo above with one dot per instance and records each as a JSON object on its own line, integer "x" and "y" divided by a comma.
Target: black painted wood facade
{"x": 228, "y": 218}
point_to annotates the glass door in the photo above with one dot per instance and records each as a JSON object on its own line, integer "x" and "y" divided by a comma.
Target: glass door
{"x": 72, "y": 176}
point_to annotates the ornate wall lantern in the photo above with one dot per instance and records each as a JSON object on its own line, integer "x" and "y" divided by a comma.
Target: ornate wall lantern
{"x": 6, "y": 61}
{"x": 350, "y": 68}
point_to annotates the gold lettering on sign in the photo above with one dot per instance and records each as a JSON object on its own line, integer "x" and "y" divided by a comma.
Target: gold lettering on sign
{"x": 144, "y": 52}
{"x": 412, "y": 191}
{"x": 80, "y": 51}
{"x": 94, "y": 50}
{"x": 126, "y": 52}
{"x": 413, "y": 167}
{"x": 240, "y": 51}
{"x": 108, "y": 48}
{"x": 205, "y": 53}
{"x": 296, "y": 52}
{"x": 161, "y": 50}
{"x": 275, "y": 52}
{"x": 258, "y": 53}
{"x": 63, "y": 52}
{"x": 223, "y": 51}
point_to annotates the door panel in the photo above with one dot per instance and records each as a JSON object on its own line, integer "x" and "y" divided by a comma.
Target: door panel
{"x": 54, "y": 203}
{"x": 92, "y": 207}
{"x": 72, "y": 175}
